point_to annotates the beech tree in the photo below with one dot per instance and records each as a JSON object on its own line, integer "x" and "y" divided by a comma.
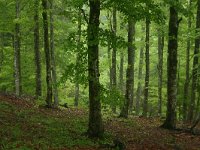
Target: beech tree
{"x": 17, "y": 59}
{"x": 47, "y": 53}
{"x": 129, "y": 71}
{"x": 195, "y": 67}
{"x": 146, "y": 88}
{"x": 95, "y": 120}
{"x": 38, "y": 90}
{"x": 170, "y": 122}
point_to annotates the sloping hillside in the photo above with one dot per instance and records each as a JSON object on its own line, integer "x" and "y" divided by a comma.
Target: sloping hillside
{"x": 24, "y": 126}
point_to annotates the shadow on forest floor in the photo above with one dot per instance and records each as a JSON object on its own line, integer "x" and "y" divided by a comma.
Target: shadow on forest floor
{"x": 24, "y": 126}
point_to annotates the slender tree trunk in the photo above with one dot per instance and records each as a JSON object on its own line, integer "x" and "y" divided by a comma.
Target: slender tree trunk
{"x": 195, "y": 66}
{"x": 109, "y": 53}
{"x": 132, "y": 76}
{"x": 170, "y": 122}
{"x": 121, "y": 72}
{"x": 114, "y": 57}
{"x": 139, "y": 86}
{"x": 95, "y": 118}
{"x": 1, "y": 50}
{"x": 53, "y": 61}
{"x": 77, "y": 59}
{"x": 17, "y": 59}
{"x": 47, "y": 54}
{"x": 178, "y": 86}
{"x": 146, "y": 88}
{"x": 129, "y": 71}
{"x": 38, "y": 90}
{"x": 160, "y": 69}
{"x": 187, "y": 67}
{"x": 110, "y": 68}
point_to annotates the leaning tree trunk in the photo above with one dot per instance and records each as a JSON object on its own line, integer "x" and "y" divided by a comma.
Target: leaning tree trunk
{"x": 114, "y": 53}
{"x": 76, "y": 100}
{"x": 170, "y": 122}
{"x": 187, "y": 67}
{"x": 38, "y": 90}
{"x": 146, "y": 88}
{"x": 160, "y": 69}
{"x": 17, "y": 63}
{"x": 53, "y": 61}
{"x": 195, "y": 67}
{"x": 95, "y": 118}
{"x": 139, "y": 86}
{"x": 47, "y": 54}
{"x": 129, "y": 71}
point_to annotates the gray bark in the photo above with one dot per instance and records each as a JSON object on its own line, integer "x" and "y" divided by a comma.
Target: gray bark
{"x": 146, "y": 88}
{"x": 170, "y": 122}
{"x": 114, "y": 53}
{"x": 195, "y": 67}
{"x": 129, "y": 71}
{"x": 95, "y": 128}
{"x": 187, "y": 67}
{"x": 47, "y": 54}
{"x": 53, "y": 59}
{"x": 76, "y": 101}
{"x": 160, "y": 69}
{"x": 17, "y": 59}
{"x": 139, "y": 86}
{"x": 38, "y": 90}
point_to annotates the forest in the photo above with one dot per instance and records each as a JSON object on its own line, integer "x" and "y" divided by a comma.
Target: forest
{"x": 99, "y": 74}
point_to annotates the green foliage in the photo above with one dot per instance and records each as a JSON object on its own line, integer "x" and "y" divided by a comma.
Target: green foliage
{"x": 111, "y": 98}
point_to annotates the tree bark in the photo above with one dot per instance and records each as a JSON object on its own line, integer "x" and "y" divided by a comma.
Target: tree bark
{"x": 195, "y": 66}
{"x": 121, "y": 72}
{"x": 53, "y": 59}
{"x": 114, "y": 53}
{"x": 129, "y": 71}
{"x": 146, "y": 88}
{"x": 1, "y": 50}
{"x": 187, "y": 67}
{"x": 38, "y": 90}
{"x": 47, "y": 54}
{"x": 76, "y": 101}
{"x": 170, "y": 122}
{"x": 160, "y": 69}
{"x": 133, "y": 66}
{"x": 95, "y": 128}
{"x": 139, "y": 86}
{"x": 17, "y": 59}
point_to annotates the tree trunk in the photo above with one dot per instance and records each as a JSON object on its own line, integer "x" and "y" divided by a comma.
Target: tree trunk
{"x": 187, "y": 67}
{"x": 195, "y": 66}
{"x": 77, "y": 59}
{"x": 53, "y": 61}
{"x": 95, "y": 119}
{"x": 129, "y": 71}
{"x": 139, "y": 86}
{"x": 146, "y": 88}
{"x": 170, "y": 122}
{"x": 38, "y": 90}
{"x": 178, "y": 86}
{"x": 114, "y": 30}
{"x": 160, "y": 69}
{"x": 121, "y": 72}
{"x": 1, "y": 50}
{"x": 132, "y": 76}
{"x": 47, "y": 54}
{"x": 17, "y": 59}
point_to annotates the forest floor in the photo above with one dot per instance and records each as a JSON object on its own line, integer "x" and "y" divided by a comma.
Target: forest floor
{"x": 24, "y": 126}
